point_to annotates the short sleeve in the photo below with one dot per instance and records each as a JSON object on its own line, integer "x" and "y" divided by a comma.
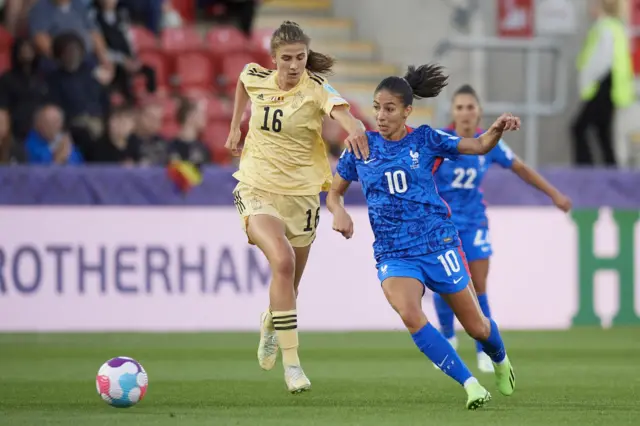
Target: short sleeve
{"x": 501, "y": 154}
{"x": 441, "y": 143}
{"x": 244, "y": 75}
{"x": 347, "y": 166}
{"x": 329, "y": 98}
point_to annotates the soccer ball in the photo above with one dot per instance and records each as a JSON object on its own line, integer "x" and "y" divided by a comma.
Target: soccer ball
{"x": 122, "y": 382}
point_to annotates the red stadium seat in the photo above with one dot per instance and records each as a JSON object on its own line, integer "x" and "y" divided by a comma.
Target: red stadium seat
{"x": 158, "y": 62}
{"x": 262, "y": 38}
{"x": 174, "y": 40}
{"x": 217, "y": 109}
{"x": 195, "y": 70}
{"x": 215, "y": 137}
{"x": 227, "y": 39}
{"x": 170, "y": 129}
{"x": 232, "y": 66}
{"x": 143, "y": 39}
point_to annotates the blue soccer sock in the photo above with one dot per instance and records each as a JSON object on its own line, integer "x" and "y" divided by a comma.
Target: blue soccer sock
{"x": 483, "y": 300}
{"x": 493, "y": 346}
{"x": 445, "y": 316}
{"x": 440, "y": 352}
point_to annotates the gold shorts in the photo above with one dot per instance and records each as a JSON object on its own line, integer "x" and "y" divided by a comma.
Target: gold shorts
{"x": 299, "y": 213}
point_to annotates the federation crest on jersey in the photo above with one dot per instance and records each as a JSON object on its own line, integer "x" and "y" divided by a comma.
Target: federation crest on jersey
{"x": 481, "y": 160}
{"x": 415, "y": 159}
{"x": 298, "y": 98}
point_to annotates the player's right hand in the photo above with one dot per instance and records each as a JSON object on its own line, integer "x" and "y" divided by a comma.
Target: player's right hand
{"x": 505, "y": 123}
{"x": 343, "y": 224}
{"x": 233, "y": 141}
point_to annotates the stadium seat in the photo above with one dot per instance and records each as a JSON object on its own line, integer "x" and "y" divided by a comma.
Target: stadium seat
{"x": 232, "y": 66}
{"x": 226, "y": 39}
{"x": 215, "y": 137}
{"x": 195, "y": 70}
{"x": 158, "y": 62}
{"x": 179, "y": 40}
{"x": 262, "y": 38}
{"x": 217, "y": 109}
{"x": 170, "y": 130}
{"x": 143, "y": 39}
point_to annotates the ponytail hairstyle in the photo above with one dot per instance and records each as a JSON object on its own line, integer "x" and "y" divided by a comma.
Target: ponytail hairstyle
{"x": 289, "y": 33}
{"x": 425, "y": 81}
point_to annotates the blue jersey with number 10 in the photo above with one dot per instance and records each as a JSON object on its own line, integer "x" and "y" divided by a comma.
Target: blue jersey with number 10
{"x": 407, "y": 215}
{"x": 459, "y": 184}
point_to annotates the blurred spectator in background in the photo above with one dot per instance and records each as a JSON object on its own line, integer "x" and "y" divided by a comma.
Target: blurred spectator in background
{"x": 16, "y": 16}
{"x": 117, "y": 145}
{"x": 79, "y": 88}
{"x": 606, "y": 82}
{"x": 22, "y": 89}
{"x": 240, "y": 11}
{"x": 170, "y": 17}
{"x": 153, "y": 149}
{"x": 192, "y": 117}
{"x": 11, "y": 151}
{"x": 113, "y": 23}
{"x": 50, "y": 18}
{"x": 46, "y": 143}
{"x": 146, "y": 12}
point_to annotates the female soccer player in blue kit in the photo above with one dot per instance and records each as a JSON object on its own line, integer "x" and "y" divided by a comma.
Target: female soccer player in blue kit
{"x": 459, "y": 185}
{"x": 416, "y": 243}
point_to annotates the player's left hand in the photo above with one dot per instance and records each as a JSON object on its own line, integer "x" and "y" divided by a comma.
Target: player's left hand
{"x": 562, "y": 202}
{"x": 358, "y": 143}
{"x": 343, "y": 223}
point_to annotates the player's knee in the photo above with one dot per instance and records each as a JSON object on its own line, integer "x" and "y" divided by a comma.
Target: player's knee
{"x": 412, "y": 317}
{"x": 479, "y": 330}
{"x": 283, "y": 264}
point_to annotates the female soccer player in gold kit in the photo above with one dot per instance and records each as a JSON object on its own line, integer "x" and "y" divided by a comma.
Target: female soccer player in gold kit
{"x": 283, "y": 169}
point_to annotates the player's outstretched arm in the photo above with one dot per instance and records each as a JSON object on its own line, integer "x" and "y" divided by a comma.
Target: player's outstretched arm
{"x": 357, "y": 141}
{"x": 239, "y": 106}
{"x": 489, "y": 139}
{"x": 536, "y": 180}
{"x": 342, "y": 222}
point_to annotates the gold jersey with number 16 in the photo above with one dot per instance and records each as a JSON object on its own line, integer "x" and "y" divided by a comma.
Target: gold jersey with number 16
{"x": 284, "y": 152}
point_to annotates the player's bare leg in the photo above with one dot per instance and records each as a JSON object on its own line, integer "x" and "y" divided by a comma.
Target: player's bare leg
{"x": 268, "y": 233}
{"x": 405, "y": 296}
{"x": 479, "y": 272}
{"x": 302, "y": 256}
{"x": 465, "y": 305}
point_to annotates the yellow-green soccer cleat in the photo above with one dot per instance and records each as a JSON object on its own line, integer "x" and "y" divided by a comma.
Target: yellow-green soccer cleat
{"x": 505, "y": 379}
{"x": 296, "y": 380}
{"x": 268, "y": 346}
{"x": 477, "y": 396}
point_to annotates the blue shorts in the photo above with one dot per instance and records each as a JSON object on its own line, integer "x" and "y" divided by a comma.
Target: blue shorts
{"x": 476, "y": 244}
{"x": 443, "y": 272}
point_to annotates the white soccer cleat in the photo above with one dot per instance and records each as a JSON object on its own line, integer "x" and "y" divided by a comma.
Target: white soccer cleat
{"x": 485, "y": 365}
{"x": 454, "y": 342}
{"x": 296, "y": 380}
{"x": 268, "y": 346}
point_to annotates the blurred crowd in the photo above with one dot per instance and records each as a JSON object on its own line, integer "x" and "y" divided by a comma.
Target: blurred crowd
{"x": 119, "y": 81}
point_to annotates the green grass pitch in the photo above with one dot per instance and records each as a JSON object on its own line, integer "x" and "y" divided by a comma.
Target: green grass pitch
{"x": 578, "y": 377}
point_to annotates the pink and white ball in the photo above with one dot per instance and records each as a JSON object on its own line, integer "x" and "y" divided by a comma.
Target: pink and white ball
{"x": 122, "y": 382}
